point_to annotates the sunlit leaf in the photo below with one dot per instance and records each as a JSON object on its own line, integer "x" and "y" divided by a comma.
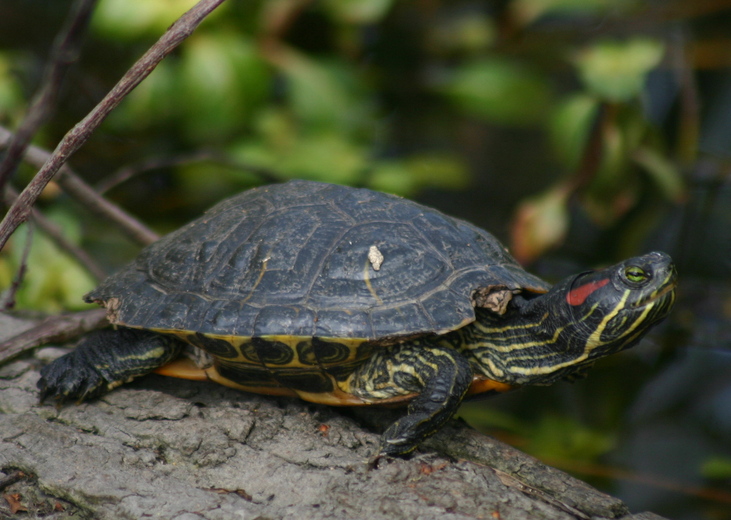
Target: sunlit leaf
{"x": 616, "y": 71}
{"x": 130, "y": 19}
{"x": 223, "y": 79}
{"x": 540, "y": 223}
{"x": 53, "y": 280}
{"x": 501, "y": 91}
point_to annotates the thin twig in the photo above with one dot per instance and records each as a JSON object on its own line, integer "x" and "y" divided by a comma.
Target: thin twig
{"x": 54, "y": 233}
{"x": 80, "y": 133}
{"x": 127, "y": 172}
{"x": 56, "y": 329}
{"x": 91, "y": 200}
{"x": 64, "y": 53}
{"x": 9, "y": 302}
{"x": 86, "y": 196}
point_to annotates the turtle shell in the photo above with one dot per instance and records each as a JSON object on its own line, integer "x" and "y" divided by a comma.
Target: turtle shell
{"x": 314, "y": 260}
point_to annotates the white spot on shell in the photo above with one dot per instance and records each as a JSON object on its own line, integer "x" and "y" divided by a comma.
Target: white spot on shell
{"x": 375, "y": 257}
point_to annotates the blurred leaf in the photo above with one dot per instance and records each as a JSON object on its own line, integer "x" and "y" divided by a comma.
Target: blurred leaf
{"x": 528, "y": 11}
{"x": 548, "y": 436}
{"x": 130, "y": 19}
{"x": 405, "y": 177}
{"x": 666, "y": 175}
{"x": 53, "y": 281}
{"x": 569, "y": 128}
{"x": 392, "y": 177}
{"x": 223, "y": 80}
{"x": 154, "y": 101}
{"x": 438, "y": 171}
{"x": 717, "y": 468}
{"x": 467, "y": 32}
{"x": 612, "y": 172}
{"x": 358, "y": 11}
{"x": 321, "y": 94}
{"x": 323, "y": 156}
{"x": 616, "y": 71}
{"x": 557, "y": 437}
{"x": 12, "y": 103}
{"x": 540, "y": 223}
{"x": 483, "y": 417}
{"x": 204, "y": 182}
{"x": 500, "y": 91}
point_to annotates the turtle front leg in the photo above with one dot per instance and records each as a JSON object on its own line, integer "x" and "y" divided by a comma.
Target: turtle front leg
{"x": 103, "y": 360}
{"x": 440, "y": 376}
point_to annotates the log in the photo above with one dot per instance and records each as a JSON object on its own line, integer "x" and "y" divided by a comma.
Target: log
{"x": 187, "y": 450}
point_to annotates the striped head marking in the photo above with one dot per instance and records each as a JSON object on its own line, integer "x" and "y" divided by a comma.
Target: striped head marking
{"x": 617, "y": 305}
{"x": 546, "y": 337}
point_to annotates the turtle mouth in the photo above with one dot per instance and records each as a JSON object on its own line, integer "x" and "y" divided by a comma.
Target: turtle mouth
{"x": 657, "y": 295}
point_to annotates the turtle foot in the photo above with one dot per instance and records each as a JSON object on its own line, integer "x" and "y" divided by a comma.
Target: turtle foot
{"x": 70, "y": 377}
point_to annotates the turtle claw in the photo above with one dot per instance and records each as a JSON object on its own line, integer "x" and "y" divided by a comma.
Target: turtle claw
{"x": 69, "y": 378}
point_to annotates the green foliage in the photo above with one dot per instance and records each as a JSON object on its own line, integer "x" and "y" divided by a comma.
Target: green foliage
{"x": 128, "y": 20}
{"x": 11, "y": 98}
{"x": 548, "y": 436}
{"x": 500, "y": 90}
{"x": 222, "y": 81}
{"x": 323, "y": 95}
{"x": 533, "y": 10}
{"x": 358, "y": 11}
{"x": 616, "y": 70}
{"x": 54, "y": 281}
{"x": 717, "y": 468}
{"x": 569, "y": 127}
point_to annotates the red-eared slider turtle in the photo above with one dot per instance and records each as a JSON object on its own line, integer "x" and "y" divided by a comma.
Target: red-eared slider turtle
{"x": 347, "y": 296}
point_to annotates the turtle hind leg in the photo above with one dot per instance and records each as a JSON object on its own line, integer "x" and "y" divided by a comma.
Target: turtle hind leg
{"x": 103, "y": 360}
{"x": 440, "y": 376}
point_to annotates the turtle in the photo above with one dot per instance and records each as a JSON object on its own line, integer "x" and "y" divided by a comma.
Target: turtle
{"x": 347, "y": 296}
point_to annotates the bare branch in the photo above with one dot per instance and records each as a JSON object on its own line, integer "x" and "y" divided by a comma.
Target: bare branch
{"x": 86, "y": 195}
{"x": 64, "y": 53}
{"x": 57, "y": 329}
{"x": 80, "y": 133}
{"x": 50, "y": 229}
{"x": 127, "y": 172}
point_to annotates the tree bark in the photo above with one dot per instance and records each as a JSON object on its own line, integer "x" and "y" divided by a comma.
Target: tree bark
{"x": 184, "y": 450}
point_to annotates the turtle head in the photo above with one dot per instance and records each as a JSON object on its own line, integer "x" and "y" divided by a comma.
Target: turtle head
{"x": 557, "y": 335}
{"x": 611, "y": 309}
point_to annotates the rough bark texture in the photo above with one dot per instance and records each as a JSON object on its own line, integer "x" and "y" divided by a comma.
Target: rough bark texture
{"x": 166, "y": 448}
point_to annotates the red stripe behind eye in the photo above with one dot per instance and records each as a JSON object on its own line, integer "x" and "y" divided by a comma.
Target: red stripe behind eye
{"x": 580, "y": 294}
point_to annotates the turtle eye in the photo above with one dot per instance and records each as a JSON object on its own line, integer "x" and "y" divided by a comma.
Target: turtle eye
{"x": 636, "y": 274}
